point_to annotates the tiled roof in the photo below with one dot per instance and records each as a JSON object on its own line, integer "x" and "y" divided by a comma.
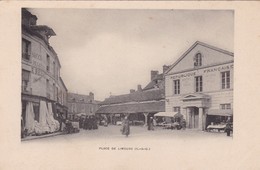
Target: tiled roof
{"x": 158, "y": 106}
{"x": 154, "y": 82}
{"x": 73, "y": 97}
{"x": 49, "y": 31}
{"x": 157, "y": 94}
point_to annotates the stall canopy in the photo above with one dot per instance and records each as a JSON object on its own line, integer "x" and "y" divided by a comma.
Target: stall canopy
{"x": 166, "y": 114}
{"x": 220, "y": 112}
{"x": 84, "y": 114}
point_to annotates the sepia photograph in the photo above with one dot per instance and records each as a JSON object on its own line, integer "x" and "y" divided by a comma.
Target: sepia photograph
{"x": 129, "y": 85}
{"x": 109, "y": 73}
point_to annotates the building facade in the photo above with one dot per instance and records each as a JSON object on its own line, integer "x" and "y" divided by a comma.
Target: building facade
{"x": 41, "y": 79}
{"x": 199, "y": 85}
{"x": 139, "y": 104}
{"x": 81, "y": 104}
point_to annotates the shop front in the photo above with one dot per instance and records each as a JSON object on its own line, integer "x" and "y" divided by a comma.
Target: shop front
{"x": 219, "y": 116}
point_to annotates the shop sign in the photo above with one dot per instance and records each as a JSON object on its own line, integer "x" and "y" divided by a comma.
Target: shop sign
{"x": 204, "y": 71}
{"x": 31, "y": 99}
{"x": 220, "y": 68}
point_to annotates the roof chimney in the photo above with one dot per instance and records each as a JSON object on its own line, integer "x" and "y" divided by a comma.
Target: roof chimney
{"x": 91, "y": 95}
{"x": 132, "y": 90}
{"x": 165, "y": 68}
{"x": 153, "y": 74}
{"x": 139, "y": 87}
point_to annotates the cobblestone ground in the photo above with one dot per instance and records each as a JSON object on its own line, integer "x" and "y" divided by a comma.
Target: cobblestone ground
{"x": 112, "y": 132}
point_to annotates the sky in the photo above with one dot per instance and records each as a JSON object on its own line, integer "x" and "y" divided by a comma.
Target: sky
{"x": 110, "y": 51}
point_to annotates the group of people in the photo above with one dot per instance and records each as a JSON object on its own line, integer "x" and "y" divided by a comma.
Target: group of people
{"x": 88, "y": 122}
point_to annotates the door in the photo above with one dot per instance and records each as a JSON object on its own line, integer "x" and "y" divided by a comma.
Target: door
{"x": 194, "y": 117}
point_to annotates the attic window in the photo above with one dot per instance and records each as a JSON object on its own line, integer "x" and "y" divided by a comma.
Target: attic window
{"x": 198, "y": 60}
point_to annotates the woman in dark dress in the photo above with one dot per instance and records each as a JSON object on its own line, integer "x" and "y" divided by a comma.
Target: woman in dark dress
{"x": 125, "y": 127}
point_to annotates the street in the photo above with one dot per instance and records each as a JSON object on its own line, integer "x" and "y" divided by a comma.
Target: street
{"x": 89, "y": 147}
{"x": 112, "y": 132}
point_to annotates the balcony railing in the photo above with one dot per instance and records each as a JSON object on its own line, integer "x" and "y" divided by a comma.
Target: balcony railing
{"x": 26, "y": 56}
{"x": 26, "y": 89}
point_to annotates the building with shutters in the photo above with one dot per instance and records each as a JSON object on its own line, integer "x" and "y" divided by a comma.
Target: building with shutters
{"x": 81, "y": 104}
{"x": 199, "y": 85}
{"x": 41, "y": 79}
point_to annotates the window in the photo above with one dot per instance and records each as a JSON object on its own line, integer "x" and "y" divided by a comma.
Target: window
{"x": 48, "y": 63}
{"x": 54, "y": 71}
{"x": 25, "y": 80}
{"x": 57, "y": 94}
{"x": 197, "y": 60}
{"x": 198, "y": 84}
{"x": 48, "y": 89}
{"x": 54, "y": 93}
{"x": 26, "y": 49}
{"x": 225, "y": 106}
{"x": 225, "y": 80}
{"x": 176, "y": 86}
{"x": 177, "y": 109}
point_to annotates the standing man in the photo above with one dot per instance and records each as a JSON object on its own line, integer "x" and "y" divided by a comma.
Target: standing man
{"x": 228, "y": 128}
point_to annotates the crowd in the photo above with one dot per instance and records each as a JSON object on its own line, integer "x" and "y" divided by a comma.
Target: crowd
{"x": 88, "y": 122}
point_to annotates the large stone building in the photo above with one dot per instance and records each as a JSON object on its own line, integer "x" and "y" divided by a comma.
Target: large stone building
{"x": 139, "y": 104}
{"x": 81, "y": 104}
{"x": 199, "y": 85}
{"x": 41, "y": 79}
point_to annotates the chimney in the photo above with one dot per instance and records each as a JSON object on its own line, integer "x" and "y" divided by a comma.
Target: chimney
{"x": 165, "y": 68}
{"x": 33, "y": 20}
{"x": 91, "y": 95}
{"x": 153, "y": 74}
{"x": 139, "y": 87}
{"x": 28, "y": 18}
{"x": 132, "y": 91}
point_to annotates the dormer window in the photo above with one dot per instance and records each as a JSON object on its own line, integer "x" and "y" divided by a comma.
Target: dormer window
{"x": 198, "y": 60}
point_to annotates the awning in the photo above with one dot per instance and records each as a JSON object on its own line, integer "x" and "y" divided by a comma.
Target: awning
{"x": 149, "y": 107}
{"x": 166, "y": 114}
{"x": 220, "y": 112}
{"x": 178, "y": 115}
{"x": 85, "y": 114}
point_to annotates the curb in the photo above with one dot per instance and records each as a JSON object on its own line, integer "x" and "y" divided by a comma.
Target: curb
{"x": 40, "y": 137}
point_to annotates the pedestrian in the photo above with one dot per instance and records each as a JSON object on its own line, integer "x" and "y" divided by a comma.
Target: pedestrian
{"x": 148, "y": 125}
{"x": 81, "y": 122}
{"x": 86, "y": 123}
{"x": 154, "y": 122}
{"x": 90, "y": 126}
{"x": 95, "y": 125}
{"x": 151, "y": 123}
{"x": 60, "y": 120}
{"x": 125, "y": 127}
{"x": 105, "y": 121}
{"x": 183, "y": 124}
{"x": 228, "y": 128}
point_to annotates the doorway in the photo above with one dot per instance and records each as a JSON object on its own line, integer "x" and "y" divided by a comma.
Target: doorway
{"x": 194, "y": 118}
